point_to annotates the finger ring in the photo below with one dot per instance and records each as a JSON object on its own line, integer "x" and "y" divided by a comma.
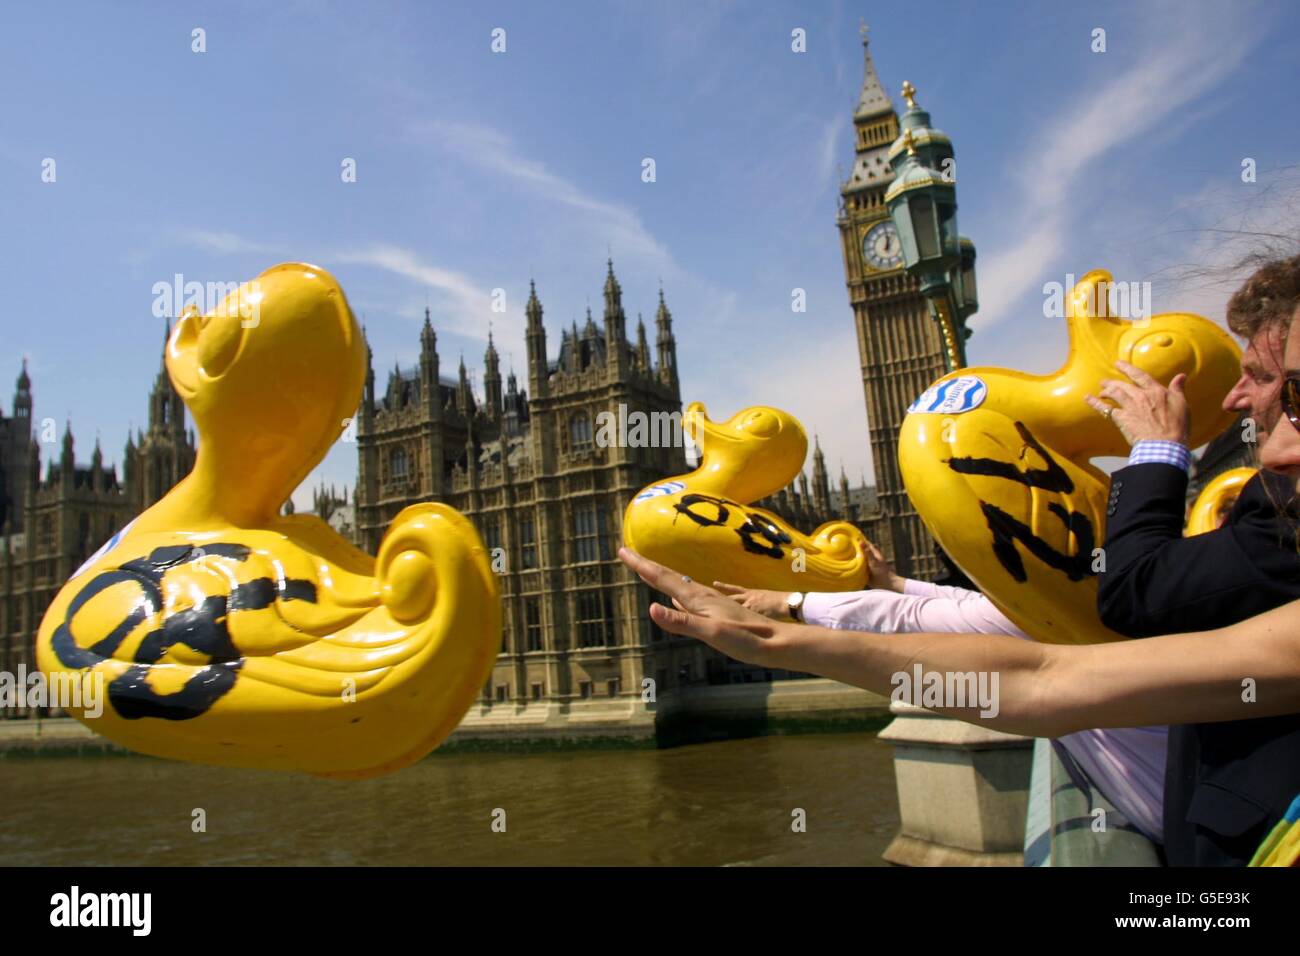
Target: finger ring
{"x": 686, "y": 579}
{"x": 1108, "y": 411}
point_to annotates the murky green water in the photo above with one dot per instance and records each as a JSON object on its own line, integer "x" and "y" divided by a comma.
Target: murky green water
{"x": 711, "y": 804}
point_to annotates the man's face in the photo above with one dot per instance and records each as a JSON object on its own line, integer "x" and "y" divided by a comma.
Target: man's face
{"x": 1282, "y": 453}
{"x": 1257, "y": 391}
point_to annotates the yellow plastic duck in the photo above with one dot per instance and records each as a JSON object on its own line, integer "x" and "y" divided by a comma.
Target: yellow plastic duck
{"x": 997, "y": 461}
{"x": 225, "y": 633}
{"x": 1216, "y": 500}
{"x": 702, "y": 523}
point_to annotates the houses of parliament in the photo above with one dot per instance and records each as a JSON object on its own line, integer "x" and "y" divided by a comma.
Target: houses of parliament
{"x": 521, "y": 461}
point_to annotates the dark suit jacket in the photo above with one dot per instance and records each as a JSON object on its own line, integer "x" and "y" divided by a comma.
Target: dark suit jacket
{"x": 1226, "y": 784}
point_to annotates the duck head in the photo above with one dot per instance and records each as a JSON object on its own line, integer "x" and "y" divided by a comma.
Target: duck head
{"x": 272, "y": 375}
{"x": 754, "y": 453}
{"x": 1162, "y": 346}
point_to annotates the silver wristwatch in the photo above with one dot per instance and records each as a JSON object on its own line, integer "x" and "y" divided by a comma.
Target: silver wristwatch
{"x": 794, "y": 605}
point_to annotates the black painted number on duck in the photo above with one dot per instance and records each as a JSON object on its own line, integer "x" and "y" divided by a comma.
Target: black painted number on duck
{"x": 1007, "y": 530}
{"x": 757, "y": 534}
{"x": 202, "y": 627}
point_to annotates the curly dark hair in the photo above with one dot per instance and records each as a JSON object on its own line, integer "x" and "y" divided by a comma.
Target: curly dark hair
{"x": 1268, "y": 298}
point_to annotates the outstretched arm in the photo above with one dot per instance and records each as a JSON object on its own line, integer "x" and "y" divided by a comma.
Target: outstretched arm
{"x": 1044, "y": 690}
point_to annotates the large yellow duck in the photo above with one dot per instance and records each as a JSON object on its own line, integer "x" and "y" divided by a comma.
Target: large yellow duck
{"x": 1216, "y": 500}
{"x": 997, "y": 461}
{"x": 225, "y": 633}
{"x": 703, "y": 524}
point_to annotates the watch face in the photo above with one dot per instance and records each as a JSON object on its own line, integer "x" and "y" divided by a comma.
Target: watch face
{"x": 881, "y": 248}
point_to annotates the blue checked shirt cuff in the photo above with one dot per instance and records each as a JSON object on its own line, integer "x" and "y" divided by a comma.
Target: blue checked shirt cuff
{"x": 1166, "y": 452}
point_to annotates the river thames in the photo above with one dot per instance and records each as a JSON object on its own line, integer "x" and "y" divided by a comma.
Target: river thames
{"x": 730, "y": 803}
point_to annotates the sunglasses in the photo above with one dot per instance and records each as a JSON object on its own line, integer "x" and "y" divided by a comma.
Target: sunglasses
{"x": 1291, "y": 399}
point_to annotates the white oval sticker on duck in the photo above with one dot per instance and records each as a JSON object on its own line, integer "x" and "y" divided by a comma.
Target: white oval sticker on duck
{"x": 952, "y": 396}
{"x": 666, "y": 488}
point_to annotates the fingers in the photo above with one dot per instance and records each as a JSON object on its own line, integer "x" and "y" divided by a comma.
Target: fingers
{"x": 727, "y": 588}
{"x": 1137, "y": 375}
{"x": 1098, "y": 406}
{"x": 662, "y": 579}
{"x": 642, "y": 566}
{"x": 1147, "y": 382}
{"x": 1121, "y": 393}
{"x": 680, "y": 622}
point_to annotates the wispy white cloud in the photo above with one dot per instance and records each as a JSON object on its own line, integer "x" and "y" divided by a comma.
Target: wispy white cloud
{"x": 1187, "y": 61}
{"x": 464, "y": 306}
{"x": 222, "y": 243}
{"x": 494, "y": 152}
{"x": 829, "y": 147}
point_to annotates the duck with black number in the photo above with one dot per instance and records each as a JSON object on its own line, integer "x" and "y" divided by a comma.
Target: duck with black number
{"x": 703, "y": 523}
{"x": 998, "y": 462}
{"x": 230, "y": 634}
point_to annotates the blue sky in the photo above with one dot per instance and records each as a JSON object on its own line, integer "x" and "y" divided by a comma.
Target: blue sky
{"x": 478, "y": 170}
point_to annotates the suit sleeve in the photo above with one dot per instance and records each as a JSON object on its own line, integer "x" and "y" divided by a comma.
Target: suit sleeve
{"x": 1155, "y": 581}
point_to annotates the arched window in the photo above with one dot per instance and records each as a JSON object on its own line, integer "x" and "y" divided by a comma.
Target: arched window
{"x": 580, "y": 432}
{"x": 397, "y": 464}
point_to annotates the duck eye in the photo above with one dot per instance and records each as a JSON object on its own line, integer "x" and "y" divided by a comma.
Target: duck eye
{"x": 218, "y": 344}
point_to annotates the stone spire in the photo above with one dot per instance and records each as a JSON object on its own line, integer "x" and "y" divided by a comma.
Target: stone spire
{"x": 166, "y": 409}
{"x": 428, "y": 337}
{"x": 464, "y": 399}
{"x": 873, "y": 100}
{"x": 67, "y": 464}
{"x": 642, "y": 346}
{"x": 875, "y": 127}
{"x": 429, "y": 369}
{"x": 665, "y": 344}
{"x": 368, "y": 396}
{"x": 615, "y": 324}
{"x": 492, "y": 379}
{"x": 16, "y": 434}
{"x": 535, "y": 337}
{"x": 821, "y": 484}
{"x": 23, "y": 390}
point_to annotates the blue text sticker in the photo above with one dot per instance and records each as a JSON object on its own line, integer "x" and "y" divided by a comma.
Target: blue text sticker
{"x": 667, "y": 488}
{"x": 952, "y": 396}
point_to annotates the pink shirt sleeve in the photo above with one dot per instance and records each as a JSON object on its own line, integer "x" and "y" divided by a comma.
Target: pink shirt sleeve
{"x": 937, "y": 609}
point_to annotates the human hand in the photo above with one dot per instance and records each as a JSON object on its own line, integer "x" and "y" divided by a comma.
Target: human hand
{"x": 770, "y": 604}
{"x": 1143, "y": 409}
{"x": 882, "y": 574}
{"x": 708, "y": 616}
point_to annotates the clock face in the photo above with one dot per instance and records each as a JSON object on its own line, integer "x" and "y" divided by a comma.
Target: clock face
{"x": 881, "y": 247}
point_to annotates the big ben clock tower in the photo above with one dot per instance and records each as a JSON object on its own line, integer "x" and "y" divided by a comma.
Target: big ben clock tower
{"x": 900, "y": 346}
